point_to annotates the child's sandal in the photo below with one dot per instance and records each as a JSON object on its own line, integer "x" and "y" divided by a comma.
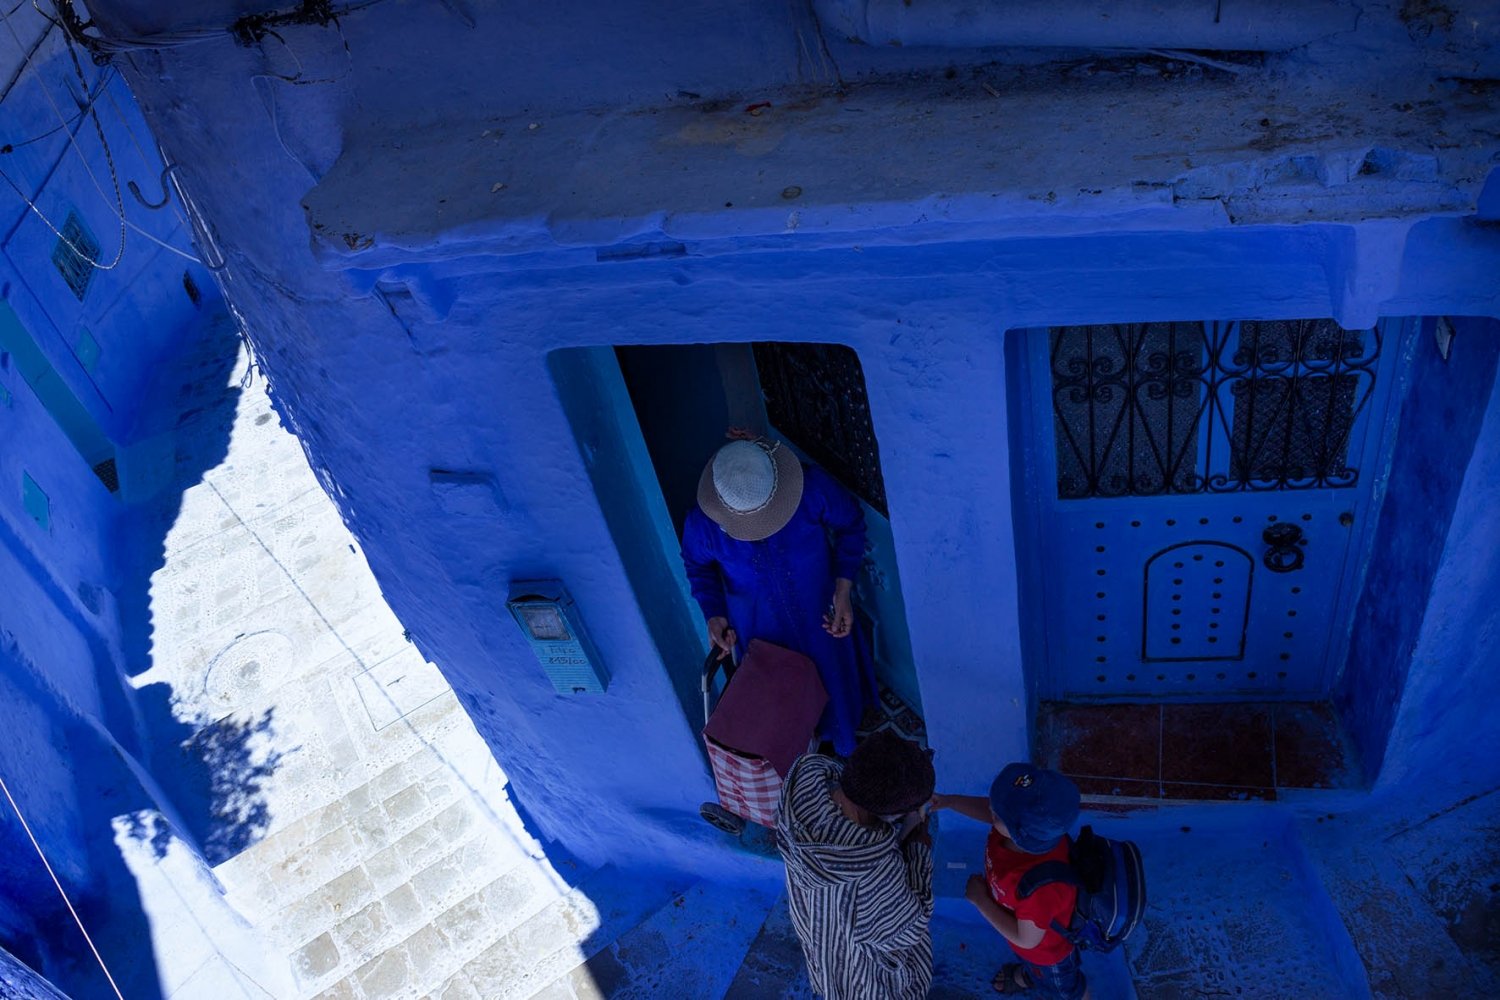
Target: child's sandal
{"x": 1010, "y": 979}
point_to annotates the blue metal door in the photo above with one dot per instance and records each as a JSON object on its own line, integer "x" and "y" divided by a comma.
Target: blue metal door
{"x": 1201, "y": 493}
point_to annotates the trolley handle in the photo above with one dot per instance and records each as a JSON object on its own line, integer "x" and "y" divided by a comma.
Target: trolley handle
{"x": 712, "y": 665}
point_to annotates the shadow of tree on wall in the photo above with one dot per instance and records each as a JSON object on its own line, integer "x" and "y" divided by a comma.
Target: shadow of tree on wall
{"x": 212, "y": 772}
{"x": 216, "y": 785}
{"x": 163, "y": 777}
{"x": 109, "y": 757}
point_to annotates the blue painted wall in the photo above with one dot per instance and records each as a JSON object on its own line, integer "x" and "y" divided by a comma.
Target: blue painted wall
{"x": 488, "y": 351}
{"x": 78, "y": 378}
{"x": 135, "y": 308}
{"x": 488, "y": 345}
{"x": 1441, "y": 415}
{"x": 1444, "y": 734}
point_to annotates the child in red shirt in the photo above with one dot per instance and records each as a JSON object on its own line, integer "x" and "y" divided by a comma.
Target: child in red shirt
{"x": 1030, "y": 811}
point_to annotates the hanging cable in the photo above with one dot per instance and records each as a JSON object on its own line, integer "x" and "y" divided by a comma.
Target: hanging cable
{"x": 247, "y": 30}
{"x": 60, "y": 891}
{"x": 73, "y": 139}
{"x": 21, "y": 69}
{"x": 105, "y": 79}
{"x": 118, "y": 205}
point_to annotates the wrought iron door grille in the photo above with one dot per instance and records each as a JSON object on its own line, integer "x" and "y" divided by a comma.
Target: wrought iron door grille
{"x": 1154, "y": 409}
{"x": 815, "y": 395}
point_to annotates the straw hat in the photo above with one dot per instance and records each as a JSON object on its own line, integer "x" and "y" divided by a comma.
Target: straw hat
{"x": 751, "y": 488}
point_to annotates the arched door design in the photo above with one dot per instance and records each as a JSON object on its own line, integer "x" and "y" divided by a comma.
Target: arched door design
{"x": 1197, "y": 603}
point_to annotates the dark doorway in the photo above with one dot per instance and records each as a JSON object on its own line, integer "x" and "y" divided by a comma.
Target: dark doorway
{"x": 812, "y": 396}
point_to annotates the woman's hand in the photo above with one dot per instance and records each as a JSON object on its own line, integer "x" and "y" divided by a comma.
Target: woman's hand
{"x": 722, "y": 636}
{"x": 839, "y": 619}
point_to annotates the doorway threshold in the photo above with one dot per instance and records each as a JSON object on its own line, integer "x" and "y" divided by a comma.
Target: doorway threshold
{"x": 1241, "y": 751}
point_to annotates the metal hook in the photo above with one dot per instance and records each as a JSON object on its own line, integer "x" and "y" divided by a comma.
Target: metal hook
{"x": 166, "y": 192}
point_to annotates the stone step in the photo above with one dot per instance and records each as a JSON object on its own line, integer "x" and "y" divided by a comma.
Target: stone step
{"x": 563, "y": 936}
{"x": 773, "y": 967}
{"x": 690, "y": 947}
{"x": 1408, "y": 951}
{"x": 426, "y": 950}
{"x": 1237, "y": 909}
{"x": 307, "y": 854}
{"x": 967, "y": 952}
{"x": 351, "y": 925}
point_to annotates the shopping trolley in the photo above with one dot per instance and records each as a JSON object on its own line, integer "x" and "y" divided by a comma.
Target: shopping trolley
{"x": 764, "y": 720}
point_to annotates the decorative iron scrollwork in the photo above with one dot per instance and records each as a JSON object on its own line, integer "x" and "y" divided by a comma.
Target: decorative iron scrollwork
{"x": 1170, "y": 408}
{"x": 1285, "y": 554}
{"x": 815, "y": 395}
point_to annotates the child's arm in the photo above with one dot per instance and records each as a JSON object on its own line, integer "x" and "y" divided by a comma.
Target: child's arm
{"x": 973, "y": 806}
{"x": 1021, "y": 933}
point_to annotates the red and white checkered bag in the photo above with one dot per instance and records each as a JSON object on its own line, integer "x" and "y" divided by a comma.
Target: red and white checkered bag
{"x": 763, "y": 722}
{"x": 748, "y": 786}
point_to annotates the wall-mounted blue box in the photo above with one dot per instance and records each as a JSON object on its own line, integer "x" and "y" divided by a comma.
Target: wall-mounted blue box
{"x": 551, "y": 624}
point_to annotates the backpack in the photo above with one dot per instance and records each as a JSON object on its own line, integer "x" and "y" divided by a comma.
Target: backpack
{"x": 1111, "y": 883}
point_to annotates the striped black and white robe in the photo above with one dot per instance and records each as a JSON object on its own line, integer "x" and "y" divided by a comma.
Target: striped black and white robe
{"x": 860, "y": 900}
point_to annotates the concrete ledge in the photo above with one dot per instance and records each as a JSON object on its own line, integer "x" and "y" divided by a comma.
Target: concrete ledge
{"x": 1047, "y": 153}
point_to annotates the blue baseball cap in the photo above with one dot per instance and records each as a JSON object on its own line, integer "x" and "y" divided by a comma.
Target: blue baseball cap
{"x": 1036, "y": 805}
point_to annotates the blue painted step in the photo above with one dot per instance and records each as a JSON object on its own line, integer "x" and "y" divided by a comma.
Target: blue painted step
{"x": 1237, "y": 909}
{"x": 690, "y": 947}
{"x": 773, "y": 969}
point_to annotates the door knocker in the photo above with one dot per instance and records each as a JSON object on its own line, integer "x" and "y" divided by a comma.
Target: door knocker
{"x": 1285, "y": 554}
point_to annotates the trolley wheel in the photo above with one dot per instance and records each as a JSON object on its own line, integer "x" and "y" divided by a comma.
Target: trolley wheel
{"x": 722, "y": 818}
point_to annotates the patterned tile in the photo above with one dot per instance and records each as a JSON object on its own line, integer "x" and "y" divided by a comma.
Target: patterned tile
{"x": 892, "y": 713}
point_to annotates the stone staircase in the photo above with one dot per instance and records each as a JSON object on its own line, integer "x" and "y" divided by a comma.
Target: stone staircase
{"x": 395, "y": 886}
{"x": 1247, "y": 902}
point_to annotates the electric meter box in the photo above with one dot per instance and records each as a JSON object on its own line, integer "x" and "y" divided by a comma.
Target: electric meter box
{"x": 551, "y": 624}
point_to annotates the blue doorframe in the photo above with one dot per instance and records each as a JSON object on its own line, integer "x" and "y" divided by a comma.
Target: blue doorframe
{"x": 682, "y": 397}
{"x": 1197, "y": 503}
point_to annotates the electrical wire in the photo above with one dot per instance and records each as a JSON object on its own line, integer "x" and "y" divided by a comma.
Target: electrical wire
{"x": 21, "y": 69}
{"x": 45, "y": 864}
{"x": 248, "y": 30}
{"x": 118, "y": 205}
{"x": 106, "y": 78}
{"x": 73, "y": 139}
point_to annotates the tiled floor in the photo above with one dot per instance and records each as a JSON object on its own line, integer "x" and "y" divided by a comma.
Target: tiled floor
{"x": 1223, "y": 751}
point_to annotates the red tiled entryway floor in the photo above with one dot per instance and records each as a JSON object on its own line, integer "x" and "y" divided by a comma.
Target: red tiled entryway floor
{"x": 1229, "y": 751}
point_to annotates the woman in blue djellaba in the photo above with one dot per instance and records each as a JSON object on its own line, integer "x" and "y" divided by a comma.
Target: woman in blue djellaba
{"x": 771, "y": 552}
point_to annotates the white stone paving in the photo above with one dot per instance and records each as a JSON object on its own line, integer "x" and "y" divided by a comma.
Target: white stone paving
{"x": 393, "y": 864}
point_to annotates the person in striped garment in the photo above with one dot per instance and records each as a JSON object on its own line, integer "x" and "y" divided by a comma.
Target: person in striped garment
{"x": 859, "y": 868}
